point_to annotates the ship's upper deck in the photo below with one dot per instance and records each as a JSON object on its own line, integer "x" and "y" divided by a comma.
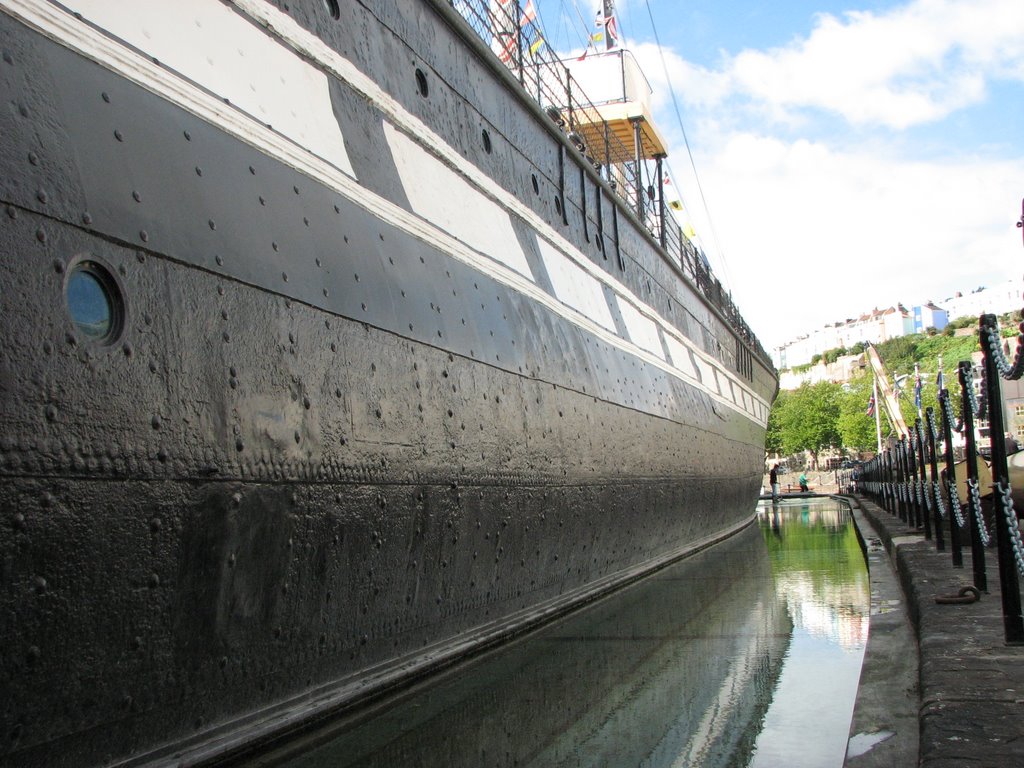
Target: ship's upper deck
{"x": 602, "y": 103}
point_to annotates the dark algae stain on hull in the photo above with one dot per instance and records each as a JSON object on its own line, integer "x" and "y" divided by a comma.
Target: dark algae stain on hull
{"x": 305, "y": 391}
{"x": 677, "y": 669}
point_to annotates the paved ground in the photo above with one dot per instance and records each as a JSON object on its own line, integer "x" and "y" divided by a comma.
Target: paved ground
{"x": 943, "y": 671}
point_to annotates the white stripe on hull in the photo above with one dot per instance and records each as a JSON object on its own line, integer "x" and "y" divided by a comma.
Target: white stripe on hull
{"x": 499, "y": 255}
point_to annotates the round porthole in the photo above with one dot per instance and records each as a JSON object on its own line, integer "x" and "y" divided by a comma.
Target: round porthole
{"x": 332, "y": 7}
{"x": 94, "y": 301}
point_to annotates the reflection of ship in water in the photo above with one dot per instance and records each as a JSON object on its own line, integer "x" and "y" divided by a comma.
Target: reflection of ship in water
{"x": 679, "y": 669}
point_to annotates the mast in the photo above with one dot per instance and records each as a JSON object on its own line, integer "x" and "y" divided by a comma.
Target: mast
{"x": 878, "y": 416}
{"x": 609, "y": 21}
{"x": 889, "y": 402}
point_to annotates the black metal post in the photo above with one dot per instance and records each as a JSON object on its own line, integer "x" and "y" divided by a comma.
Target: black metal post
{"x": 561, "y": 183}
{"x": 901, "y": 507}
{"x": 889, "y": 480}
{"x": 933, "y": 490}
{"x": 661, "y": 199}
{"x": 950, "y": 482}
{"x": 922, "y": 479}
{"x": 583, "y": 203}
{"x": 519, "y": 45}
{"x": 971, "y": 460}
{"x": 607, "y": 156}
{"x": 638, "y": 156}
{"x": 568, "y": 101}
{"x": 1013, "y": 622}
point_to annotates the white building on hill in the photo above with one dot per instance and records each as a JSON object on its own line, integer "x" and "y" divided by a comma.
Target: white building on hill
{"x": 876, "y": 326}
{"x": 880, "y": 325}
{"x": 1004, "y": 297}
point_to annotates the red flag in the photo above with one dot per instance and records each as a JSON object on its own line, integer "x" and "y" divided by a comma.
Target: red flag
{"x": 529, "y": 14}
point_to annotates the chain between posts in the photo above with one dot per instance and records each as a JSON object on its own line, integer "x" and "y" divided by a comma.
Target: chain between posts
{"x": 1011, "y": 519}
{"x": 908, "y": 481}
{"x": 990, "y": 338}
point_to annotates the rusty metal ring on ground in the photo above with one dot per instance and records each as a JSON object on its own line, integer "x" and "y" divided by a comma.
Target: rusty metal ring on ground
{"x": 966, "y": 596}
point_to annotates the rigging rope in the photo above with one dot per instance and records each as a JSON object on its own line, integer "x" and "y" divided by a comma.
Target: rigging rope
{"x": 686, "y": 143}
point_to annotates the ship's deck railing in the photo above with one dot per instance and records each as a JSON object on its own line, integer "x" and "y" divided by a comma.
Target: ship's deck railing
{"x": 637, "y": 180}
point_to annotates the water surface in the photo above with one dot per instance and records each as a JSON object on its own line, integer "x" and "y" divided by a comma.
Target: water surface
{"x": 746, "y": 654}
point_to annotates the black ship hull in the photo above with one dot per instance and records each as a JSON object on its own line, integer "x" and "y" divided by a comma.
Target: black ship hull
{"x": 329, "y": 443}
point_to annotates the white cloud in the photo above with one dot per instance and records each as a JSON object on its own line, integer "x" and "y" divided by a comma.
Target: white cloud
{"x": 915, "y": 64}
{"x": 823, "y": 227}
{"x": 817, "y": 235}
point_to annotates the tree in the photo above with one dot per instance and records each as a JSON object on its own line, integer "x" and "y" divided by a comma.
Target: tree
{"x": 808, "y": 418}
{"x": 773, "y": 441}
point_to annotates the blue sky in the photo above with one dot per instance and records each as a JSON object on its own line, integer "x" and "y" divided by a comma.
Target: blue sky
{"x": 852, "y": 155}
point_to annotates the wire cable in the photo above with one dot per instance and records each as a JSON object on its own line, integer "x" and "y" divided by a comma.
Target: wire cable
{"x": 686, "y": 142}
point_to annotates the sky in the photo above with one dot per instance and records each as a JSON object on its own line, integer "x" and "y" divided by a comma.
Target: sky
{"x": 848, "y": 155}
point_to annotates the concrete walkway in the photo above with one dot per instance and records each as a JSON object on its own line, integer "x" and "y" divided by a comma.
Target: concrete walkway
{"x": 943, "y": 671}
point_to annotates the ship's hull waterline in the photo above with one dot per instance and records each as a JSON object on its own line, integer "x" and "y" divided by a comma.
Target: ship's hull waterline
{"x": 368, "y": 402}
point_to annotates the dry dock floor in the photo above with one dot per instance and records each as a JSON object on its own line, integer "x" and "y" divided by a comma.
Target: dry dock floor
{"x": 939, "y": 686}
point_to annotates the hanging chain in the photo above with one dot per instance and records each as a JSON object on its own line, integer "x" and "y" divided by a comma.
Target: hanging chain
{"x": 923, "y": 494}
{"x": 948, "y": 415}
{"x": 975, "y": 501}
{"x": 1008, "y": 370}
{"x": 972, "y": 396}
{"x": 958, "y": 512}
{"x": 938, "y": 499}
{"x": 1011, "y": 523}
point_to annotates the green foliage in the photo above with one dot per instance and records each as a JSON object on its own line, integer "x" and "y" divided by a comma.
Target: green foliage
{"x": 831, "y": 355}
{"x": 900, "y": 353}
{"x": 856, "y": 349}
{"x": 952, "y": 350}
{"x": 773, "y": 441}
{"x": 823, "y": 554}
{"x": 856, "y": 428}
{"x": 844, "y": 419}
{"x": 807, "y": 418}
{"x": 967, "y": 321}
{"x": 815, "y": 359}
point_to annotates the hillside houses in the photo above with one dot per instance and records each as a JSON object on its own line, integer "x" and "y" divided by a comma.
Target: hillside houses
{"x": 880, "y": 325}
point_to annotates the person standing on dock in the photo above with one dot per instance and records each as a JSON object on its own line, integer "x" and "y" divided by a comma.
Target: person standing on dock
{"x": 803, "y": 482}
{"x": 773, "y": 480}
